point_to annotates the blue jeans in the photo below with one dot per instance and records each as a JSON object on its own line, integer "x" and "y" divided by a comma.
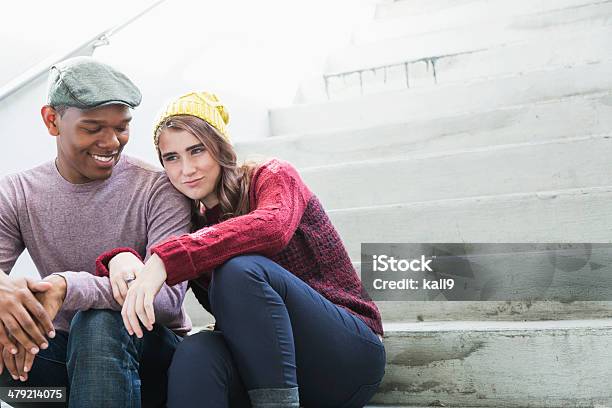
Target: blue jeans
{"x": 102, "y": 365}
{"x": 274, "y": 335}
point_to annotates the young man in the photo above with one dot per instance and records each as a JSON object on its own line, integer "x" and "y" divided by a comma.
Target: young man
{"x": 66, "y": 212}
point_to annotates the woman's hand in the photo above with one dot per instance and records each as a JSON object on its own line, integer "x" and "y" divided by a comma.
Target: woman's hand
{"x": 122, "y": 270}
{"x": 138, "y": 303}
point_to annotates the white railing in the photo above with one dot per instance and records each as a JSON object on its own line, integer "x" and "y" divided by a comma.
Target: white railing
{"x": 85, "y": 48}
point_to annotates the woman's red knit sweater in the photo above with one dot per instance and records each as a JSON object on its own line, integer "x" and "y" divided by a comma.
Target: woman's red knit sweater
{"x": 286, "y": 224}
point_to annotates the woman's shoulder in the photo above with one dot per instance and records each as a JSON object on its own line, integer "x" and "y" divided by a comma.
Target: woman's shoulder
{"x": 275, "y": 167}
{"x": 276, "y": 175}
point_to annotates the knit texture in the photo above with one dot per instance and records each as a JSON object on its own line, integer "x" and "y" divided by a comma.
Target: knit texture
{"x": 203, "y": 105}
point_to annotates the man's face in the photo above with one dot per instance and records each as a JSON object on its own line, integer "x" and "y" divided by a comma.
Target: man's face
{"x": 90, "y": 141}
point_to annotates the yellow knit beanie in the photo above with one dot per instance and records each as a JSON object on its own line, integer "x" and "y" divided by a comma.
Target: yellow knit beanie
{"x": 203, "y": 105}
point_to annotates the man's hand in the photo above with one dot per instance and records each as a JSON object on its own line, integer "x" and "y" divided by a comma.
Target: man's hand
{"x": 18, "y": 364}
{"x": 8, "y": 362}
{"x": 123, "y": 269}
{"x": 53, "y": 298}
{"x": 22, "y": 315}
{"x": 8, "y": 353}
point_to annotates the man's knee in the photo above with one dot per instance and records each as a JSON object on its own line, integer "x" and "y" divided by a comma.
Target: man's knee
{"x": 98, "y": 331}
{"x": 98, "y": 344}
{"x": 96, "y": 321}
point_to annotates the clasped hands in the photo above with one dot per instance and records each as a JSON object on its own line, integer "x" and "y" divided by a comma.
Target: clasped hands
{"x": 27, "y": 309}
{"x": 135, "y": 285}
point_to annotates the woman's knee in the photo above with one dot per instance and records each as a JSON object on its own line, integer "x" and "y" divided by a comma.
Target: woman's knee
{"x": 204, "y": 353}
{"x": 233, "y": 274}
{"x": 242, "y": 262}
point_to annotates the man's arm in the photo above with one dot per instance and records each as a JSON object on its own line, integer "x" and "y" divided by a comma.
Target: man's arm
{"x": 20, "y": 313}
{"x": 11, "y": 242}
{"x": 85, "y": 291}
{"x": 167, "y": 214}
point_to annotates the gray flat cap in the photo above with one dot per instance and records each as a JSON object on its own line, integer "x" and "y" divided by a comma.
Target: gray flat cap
{"x": 85, "y": 83}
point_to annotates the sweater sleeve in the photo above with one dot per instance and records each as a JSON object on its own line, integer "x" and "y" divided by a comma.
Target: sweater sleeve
{"x": 278, "y": 200}
{"x": 11, "y": 242}
{"x": 103, "y": 260}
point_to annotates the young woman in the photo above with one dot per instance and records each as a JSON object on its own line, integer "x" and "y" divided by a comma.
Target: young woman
{"x": 293, "y": 323}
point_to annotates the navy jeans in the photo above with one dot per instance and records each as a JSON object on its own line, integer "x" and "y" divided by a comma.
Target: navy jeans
{"x": 274, "y": 333}
{"x": 102, "y": 365}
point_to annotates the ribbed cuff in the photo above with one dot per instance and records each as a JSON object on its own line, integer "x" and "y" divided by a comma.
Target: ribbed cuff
{"x": 178, "y": 263}
{"x": 105, "y": 258}
{"x": 275, "y": 398}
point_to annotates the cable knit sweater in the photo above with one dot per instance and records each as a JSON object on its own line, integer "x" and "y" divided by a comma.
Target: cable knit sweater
{"x": 288, "y": 225}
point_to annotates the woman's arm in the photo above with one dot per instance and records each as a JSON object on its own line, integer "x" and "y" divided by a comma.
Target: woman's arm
{"x": 278, "y": 198}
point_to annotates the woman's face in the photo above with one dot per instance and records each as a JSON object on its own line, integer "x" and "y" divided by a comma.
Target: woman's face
{"x": 190, "y": 167}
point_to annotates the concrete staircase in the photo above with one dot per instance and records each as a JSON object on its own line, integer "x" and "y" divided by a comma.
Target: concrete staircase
{"x": 469, "y": 121}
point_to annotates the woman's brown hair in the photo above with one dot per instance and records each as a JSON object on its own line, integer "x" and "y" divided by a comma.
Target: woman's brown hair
{"x": 233, "y": 187}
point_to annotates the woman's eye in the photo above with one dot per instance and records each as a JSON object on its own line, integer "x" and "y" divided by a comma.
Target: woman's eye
{"x": 170, "y": 158}
{"x": 197, "y": 150}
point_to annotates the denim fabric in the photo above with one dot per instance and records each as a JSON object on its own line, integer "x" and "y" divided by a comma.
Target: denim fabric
{"x": 102, "y": 365}
{"x": 203, "y": 373}
{"x": 274, "y": 332}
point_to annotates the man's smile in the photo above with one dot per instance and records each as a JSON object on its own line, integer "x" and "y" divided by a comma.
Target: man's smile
{"x": 104, "y": 159}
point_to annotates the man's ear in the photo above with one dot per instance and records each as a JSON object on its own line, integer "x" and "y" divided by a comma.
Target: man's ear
{"x": 50, "y": 117}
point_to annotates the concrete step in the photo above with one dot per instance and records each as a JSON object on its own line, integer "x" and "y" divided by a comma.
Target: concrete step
{"x": 480, "y": 36}
{"x": 444, "y": 100}
{"x": 427, "y": 311}
{"x": 444, "y": 310}
{"x": 5, "y": 405}
{"x": 576, "y": 215}
{"x": 472, "y": 13}
{"x": 500, "y": 364}
{"x": 399, "y": 8}
{"x": 463, "y": 12}
{"x": 198, "y": 315}
{"x": 551, "y": 49}
{"x": 566, "y": 117}
{"x": 518, "y": 168}
{"x": 432, "y": 311}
